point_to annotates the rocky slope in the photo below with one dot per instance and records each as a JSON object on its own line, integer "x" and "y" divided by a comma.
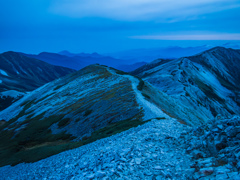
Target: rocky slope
{"x": 92, "y": 103}
{"x": 215, "y": 149}
{"x": 20, "y": 74}
{"x": 150, "y": 151}
{"x": 202, "y": 86}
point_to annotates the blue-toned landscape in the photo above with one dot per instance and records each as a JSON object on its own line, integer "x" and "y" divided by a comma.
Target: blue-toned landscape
{"x": 126, "y": 90}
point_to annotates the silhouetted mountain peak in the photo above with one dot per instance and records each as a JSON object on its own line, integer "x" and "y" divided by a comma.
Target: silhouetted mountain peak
{"x": 9, "y": 52}
{"x": 220, "y": 50}
{"x": 64, "y": 51}
{"x": 94, "y": 53}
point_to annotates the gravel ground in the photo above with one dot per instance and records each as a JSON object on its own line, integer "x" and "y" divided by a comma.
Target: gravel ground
{"x": 150, "y": 151}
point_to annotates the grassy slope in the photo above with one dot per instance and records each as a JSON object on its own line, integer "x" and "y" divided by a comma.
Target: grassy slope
{"x": 36, "y": 141}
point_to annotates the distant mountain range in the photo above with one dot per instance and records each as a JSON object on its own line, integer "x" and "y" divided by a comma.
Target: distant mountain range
{"x": 171, "y": 52}
{"x": 69, "y": 54}
{"x": 81, "y": 60}
{"x": 148, "y": 55}
{"x": 20, "y": 74}
{"x": 126, "y": 60}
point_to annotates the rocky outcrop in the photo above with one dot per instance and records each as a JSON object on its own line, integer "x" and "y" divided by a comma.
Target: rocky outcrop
{"x": 215, "y": 149}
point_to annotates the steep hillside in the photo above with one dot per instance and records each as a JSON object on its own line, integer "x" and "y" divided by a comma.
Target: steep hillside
{"x": 203, "y": 85}
{"x": 20, "y": 74}
{"x": 79, "y": 108}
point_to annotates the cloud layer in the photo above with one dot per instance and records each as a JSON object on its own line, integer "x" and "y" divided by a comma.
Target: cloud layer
{"x": 161, "y": 10}
{"x": 113, "y": 25}
{"x": 222, "y": 37}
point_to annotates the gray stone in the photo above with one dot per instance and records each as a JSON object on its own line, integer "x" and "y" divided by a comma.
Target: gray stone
{"x": 212, "y": 148}
{"x": 138, "y": 161}
{"x": 220, "y": 126}
{"x": 120, "y": 168}
{"x": 229, "y": 166}
{"x": 105, "y": 178}
{"x": 233, "y": 131}
{"x": 237, "y": 155}
{"x": 221, "y": 145}
{"x": 190, "y": 171}
{"x": 100, "y": 174}
{"x": 189, "y": 149}
{"x": 221, "y": 170}
{"x": 166, "y": 174}
{"x": 206, "y": 171}
{"x": 228, "y": 130}
{"x": 159, "y": 178}
{"x": 91, "y": 176}
{"x": 198, "y": 154}
{"x": 238, "y": 165}
{"x": 84, "y": 165}
{"x": 237, "y": 150}
{"x": 148, "y": 173}
{"x": 234, "y": 175}
{"x": 197, "y": 176}
{"x": 221, "y": 176}
{"x": 158, "y": 168}
{"x": 215, "y": 130}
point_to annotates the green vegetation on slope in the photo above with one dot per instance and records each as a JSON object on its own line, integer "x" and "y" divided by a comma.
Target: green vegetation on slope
{"x": 36, "y": 142}
{"x": 102, "y": 111}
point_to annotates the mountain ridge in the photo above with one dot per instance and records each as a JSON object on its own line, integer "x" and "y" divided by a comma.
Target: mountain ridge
{"x": 96, "y": 101}
{"x": 208, "y": 80}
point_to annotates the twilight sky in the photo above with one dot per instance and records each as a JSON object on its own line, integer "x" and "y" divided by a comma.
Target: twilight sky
{"x": 33, "y": 26}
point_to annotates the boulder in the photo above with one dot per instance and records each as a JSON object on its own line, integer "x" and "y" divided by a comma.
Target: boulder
{"x": 221, "y": 145}
{"x": 238, "y": 165}
{"x": 198, "y": 154}
{"x": 100, "y": 174}
{"x": 212, "y": 148}
{"x": 138, "y": 161}
{"x": 222, "y": 176}
{"x": 206, "y": 171}
{"x": 232, "y": 131}
{"x": 220, "y": 126}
